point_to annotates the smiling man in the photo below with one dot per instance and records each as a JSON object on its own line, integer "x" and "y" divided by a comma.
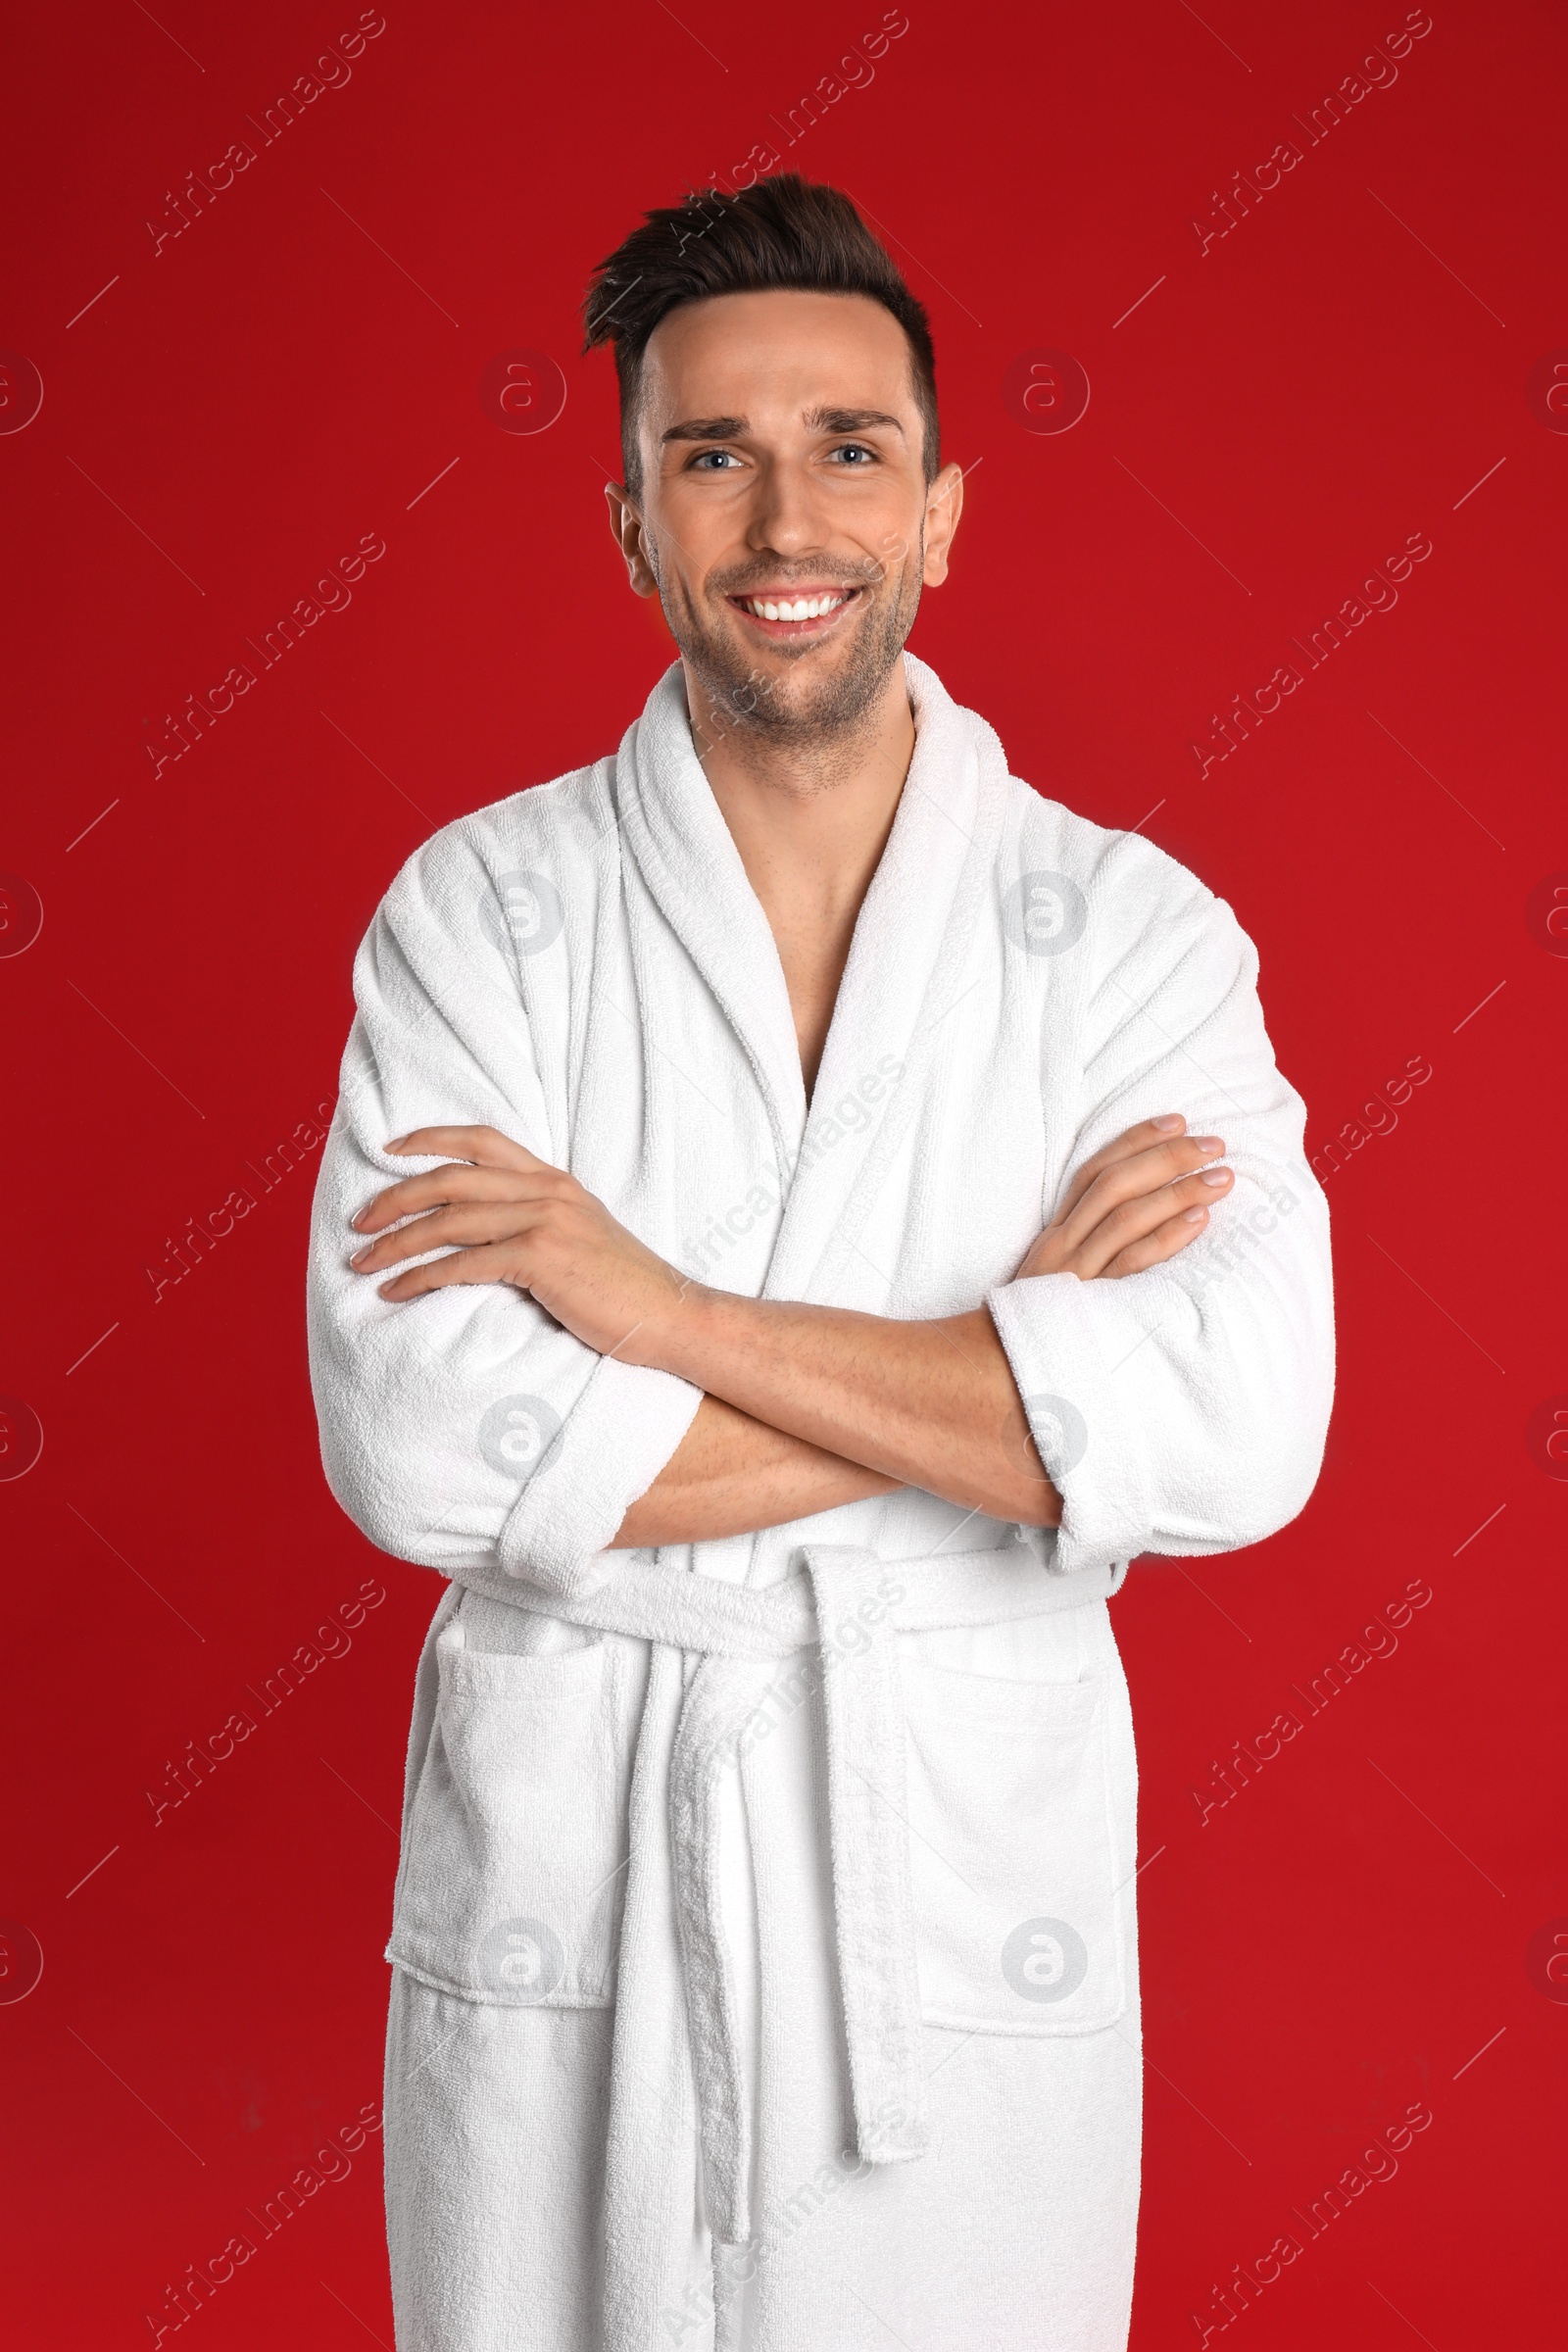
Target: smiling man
{"x": 773, "y": 1256}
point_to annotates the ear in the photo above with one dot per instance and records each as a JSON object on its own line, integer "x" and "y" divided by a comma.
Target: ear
{"x": 943, "y": 504}
{"x": 626, "y": 523}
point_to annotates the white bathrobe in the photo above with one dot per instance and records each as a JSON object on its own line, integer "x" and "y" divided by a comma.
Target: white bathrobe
{"x": 764, "y": 1938}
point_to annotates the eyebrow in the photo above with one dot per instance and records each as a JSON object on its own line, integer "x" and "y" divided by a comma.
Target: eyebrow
{"x": 848, "y": 420}
{"x": 706, "y": 428}
{"x": 819, "y": 420}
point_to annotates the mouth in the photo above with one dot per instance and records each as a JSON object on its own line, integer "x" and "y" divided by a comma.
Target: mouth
{"x": 787, "y": 615}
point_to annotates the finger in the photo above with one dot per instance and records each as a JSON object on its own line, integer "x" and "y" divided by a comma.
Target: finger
{"x": 1133, "y": 1220}
{"x": 1066, "y": 1245}
{"x": 1140, "y": 1138}
{"x": 497, "y": 1262}
{"x": 457, "y": 1180}
{"x": 1046, "y": 1255}
{"x": 1134, "y": 1176}
{"x": 1123, "y": 1170}
{"x": 1155, "y": 1249}
{"x": 459, "y": 1225}
{"x": 1136, "y": 1139}
{"x": 486, "y": 1147}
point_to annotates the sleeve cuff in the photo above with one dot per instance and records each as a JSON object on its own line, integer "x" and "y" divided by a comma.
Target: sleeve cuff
{"x": 610, "y": 1449}
{"x": 1065, "y": 1350}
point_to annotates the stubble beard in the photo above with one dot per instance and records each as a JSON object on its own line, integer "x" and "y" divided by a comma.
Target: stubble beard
{"x": 821, "y": 708}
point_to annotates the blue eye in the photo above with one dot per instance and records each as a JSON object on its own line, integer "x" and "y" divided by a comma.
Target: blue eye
{"x": 855, "y": 450}
{"x": 715, "y": 460}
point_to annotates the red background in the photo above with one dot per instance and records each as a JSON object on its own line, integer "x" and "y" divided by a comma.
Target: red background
{"x": 1283, "y": 410}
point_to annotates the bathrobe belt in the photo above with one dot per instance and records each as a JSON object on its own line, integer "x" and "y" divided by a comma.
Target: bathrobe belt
{"x": 842, "y": 1610}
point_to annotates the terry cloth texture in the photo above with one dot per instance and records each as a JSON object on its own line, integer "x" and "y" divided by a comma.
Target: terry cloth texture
{"x": 764, "y": 1938}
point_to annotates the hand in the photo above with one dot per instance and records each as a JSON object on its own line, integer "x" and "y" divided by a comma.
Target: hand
{"x": 1135, "y": 1204}
{"x": 507, "y": 1216}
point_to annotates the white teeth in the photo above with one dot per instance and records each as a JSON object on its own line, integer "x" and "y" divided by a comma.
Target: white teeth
{"x": 803, "y": 607}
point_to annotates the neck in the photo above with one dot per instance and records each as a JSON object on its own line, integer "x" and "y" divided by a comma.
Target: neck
{"x": 812, "y": 806}
{"x": 811, "y": 817}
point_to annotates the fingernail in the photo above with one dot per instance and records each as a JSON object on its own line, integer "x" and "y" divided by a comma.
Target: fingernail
{"x": 359, "y": 1217}
{"x": 359, "y": 1258}
{"x": 1208, "y": 1143}
{"x": 1215, "y": 1176}
{"x": 1194, "y": 1216}
{"x": 396, "y": 1145}
{"x": 1170, "y": 1120}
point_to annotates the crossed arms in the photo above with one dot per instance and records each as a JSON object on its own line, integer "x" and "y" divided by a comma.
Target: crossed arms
{"x": 804, "y": 1407}
{"x": 662, "y": 1412}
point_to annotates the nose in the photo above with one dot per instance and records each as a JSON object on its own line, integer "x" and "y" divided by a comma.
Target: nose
{"x": 784, "y": 520}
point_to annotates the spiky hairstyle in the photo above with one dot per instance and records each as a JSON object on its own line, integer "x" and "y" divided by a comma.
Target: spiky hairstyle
{"x": 785, "y": 232}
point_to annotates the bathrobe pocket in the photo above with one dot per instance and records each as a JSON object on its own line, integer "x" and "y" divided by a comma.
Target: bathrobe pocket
{"x": 1016, "y": 1791}
{"x": 509, "y": 1887}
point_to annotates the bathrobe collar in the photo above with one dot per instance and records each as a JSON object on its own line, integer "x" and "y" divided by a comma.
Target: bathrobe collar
{"x": 910, "y": 941}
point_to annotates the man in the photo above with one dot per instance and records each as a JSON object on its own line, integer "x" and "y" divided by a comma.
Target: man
{"x": 791, "y": 1279}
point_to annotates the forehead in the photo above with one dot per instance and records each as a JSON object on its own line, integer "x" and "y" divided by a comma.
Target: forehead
{"x": 774, "y": 355}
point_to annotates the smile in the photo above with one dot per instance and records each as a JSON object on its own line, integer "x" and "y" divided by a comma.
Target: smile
{"x": 796, "y": 613}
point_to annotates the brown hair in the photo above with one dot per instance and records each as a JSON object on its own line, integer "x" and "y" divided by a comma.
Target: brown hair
{"x": 786, "y": 232}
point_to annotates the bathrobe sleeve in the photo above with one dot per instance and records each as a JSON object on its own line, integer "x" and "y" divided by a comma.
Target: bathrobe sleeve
{"x": 465, "y": 1428}
{"x": 1182, "y": 1410}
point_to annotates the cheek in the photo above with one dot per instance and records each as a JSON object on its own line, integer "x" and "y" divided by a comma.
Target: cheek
{"x": 699, "y": 543}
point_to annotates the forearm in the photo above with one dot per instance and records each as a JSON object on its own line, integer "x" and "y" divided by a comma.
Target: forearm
{"x": 929, "y": 1405}
{"x": 732, "y": 1474}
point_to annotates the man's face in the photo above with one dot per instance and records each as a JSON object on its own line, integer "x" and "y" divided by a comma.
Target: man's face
{"x": 784, "y": 519}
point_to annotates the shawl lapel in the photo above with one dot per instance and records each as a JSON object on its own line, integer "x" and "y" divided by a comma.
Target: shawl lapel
{"x": 687, "y": 856}
{"x": 911, "y": 942}
{"x": 906, "y": 965}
